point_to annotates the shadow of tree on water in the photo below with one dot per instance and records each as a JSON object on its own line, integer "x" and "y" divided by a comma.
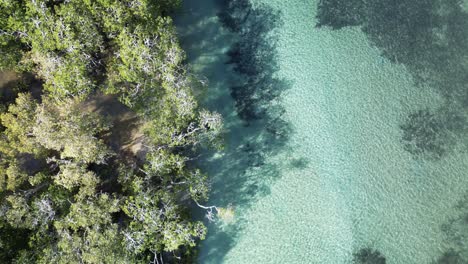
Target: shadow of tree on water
{"x": 254, "y": 58}
{"x": 256, "y": 96}
{"x": 257, "y": 131}
{"x": 261, "y": 132}
{"x": 430, "y": 38}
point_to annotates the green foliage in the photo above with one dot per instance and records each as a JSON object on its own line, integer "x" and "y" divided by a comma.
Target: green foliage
{"x": 17, "y": 214}
{"x": 73, "y": 175}
{"x": 156, "y": 227}
{"x": 63, "y": 75}
{"x": 70, "y": 192}
{"x": 56, "y": 123}
{"x": 11, "y": 50}
{"x": 19, "y": 122}
{"x": 15, "y": 177}
{"x": 12, "y": 240}
{"x": 87, "y": 234}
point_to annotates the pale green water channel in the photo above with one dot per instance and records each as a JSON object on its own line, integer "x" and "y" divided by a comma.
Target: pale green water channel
{"x": 340, "y": 180}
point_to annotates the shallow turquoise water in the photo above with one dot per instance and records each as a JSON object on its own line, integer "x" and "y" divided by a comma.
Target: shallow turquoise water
{"x": 342, "y": 181}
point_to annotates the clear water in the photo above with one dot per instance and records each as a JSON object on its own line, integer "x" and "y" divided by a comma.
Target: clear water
{"x": 342, "y": 180}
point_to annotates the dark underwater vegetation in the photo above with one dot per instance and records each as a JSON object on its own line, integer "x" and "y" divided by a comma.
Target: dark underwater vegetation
{"x": 368, "y": 256}
{"x": 428, "y": 37}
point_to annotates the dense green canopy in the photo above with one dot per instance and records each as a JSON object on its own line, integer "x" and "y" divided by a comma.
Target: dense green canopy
{"x": 68, "y": 193}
